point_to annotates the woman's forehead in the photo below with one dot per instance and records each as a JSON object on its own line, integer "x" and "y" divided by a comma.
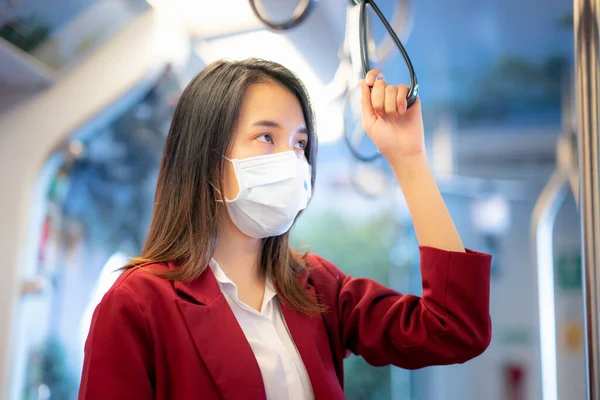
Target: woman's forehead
{"x": 270, "y": 101}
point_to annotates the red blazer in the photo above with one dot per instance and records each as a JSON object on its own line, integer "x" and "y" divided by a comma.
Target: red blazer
{"x": 155, "y": 339}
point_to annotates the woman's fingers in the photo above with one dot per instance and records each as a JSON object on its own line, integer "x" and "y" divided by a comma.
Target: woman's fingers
{"x": 378, "y": 97}
{"x": 401, "y": 102}
{"x": 391, "y": 94}
{"x": 385, "y": 100}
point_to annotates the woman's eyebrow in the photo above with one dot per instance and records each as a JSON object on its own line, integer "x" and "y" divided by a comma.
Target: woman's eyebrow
{"x": 273, "y": 124}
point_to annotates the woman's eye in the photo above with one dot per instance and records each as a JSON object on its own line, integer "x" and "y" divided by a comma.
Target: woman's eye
{"x": 265, "y": 138}
{"x": 301, "y": 144}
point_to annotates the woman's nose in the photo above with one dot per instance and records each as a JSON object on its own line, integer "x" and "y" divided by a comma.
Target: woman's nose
{"x": 283, "y": 146}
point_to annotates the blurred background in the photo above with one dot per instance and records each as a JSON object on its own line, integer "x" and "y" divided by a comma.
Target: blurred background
{"x": 87, "y": 90}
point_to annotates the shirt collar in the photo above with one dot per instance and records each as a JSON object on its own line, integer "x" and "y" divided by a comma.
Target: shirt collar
{"x": 230, "y": 288}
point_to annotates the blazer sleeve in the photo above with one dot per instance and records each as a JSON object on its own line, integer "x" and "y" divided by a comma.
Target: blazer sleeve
{"x": 449, "y": 324}
{"x": 118, "y": 362}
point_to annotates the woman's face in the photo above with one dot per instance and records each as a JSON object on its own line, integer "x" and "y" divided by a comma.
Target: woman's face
{"x": 270, "y": 121}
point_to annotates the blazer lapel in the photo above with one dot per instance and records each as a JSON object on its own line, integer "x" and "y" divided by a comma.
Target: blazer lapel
{"x": 219, "y": 340}
{"x": 310, "y": 337}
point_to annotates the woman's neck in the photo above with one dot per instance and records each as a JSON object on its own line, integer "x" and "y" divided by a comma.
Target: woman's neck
{"x": 237, "y": 254}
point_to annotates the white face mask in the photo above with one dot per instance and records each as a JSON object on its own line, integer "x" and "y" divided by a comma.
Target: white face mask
{"x": 273, "y": 190}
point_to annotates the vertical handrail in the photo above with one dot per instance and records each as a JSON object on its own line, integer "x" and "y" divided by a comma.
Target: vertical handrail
{"x": 586, "y": 89}
{"x": 542, "y": 223}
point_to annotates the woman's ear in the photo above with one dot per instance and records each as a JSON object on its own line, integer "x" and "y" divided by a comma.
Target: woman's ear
{"x": 228, "y": 181}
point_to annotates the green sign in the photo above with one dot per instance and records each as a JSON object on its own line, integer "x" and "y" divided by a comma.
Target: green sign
{"x": 568, "y": 271}
{"x": 515, "y": 336}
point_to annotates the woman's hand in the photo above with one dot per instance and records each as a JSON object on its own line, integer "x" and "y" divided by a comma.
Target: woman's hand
{"x": 396, "y": 131}
{"x": 398, "y": 134}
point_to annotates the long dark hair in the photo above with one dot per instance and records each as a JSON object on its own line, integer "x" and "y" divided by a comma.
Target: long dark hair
{"x": 185, "y": 217}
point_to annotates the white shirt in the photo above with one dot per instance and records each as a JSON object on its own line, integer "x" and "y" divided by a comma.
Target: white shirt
{"x": 283, "y": 372}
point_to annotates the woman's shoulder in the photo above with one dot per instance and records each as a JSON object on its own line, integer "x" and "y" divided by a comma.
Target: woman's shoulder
{"x": 322, "y": 273}
{"x": 135, "y": 298}
{"x": 142, "y": 280}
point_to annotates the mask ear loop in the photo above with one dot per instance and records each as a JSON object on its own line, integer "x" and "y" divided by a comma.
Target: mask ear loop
{"x": 218, "y": 191}
{"x": 241, "y": 184}
{"x": 220, "y": 200}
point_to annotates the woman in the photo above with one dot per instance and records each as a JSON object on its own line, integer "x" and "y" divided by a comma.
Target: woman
{"x": 218, "y": 306}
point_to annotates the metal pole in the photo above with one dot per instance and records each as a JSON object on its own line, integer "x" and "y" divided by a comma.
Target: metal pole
{"x": 586, "y": 85}
{"x": 542, "y": 224}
